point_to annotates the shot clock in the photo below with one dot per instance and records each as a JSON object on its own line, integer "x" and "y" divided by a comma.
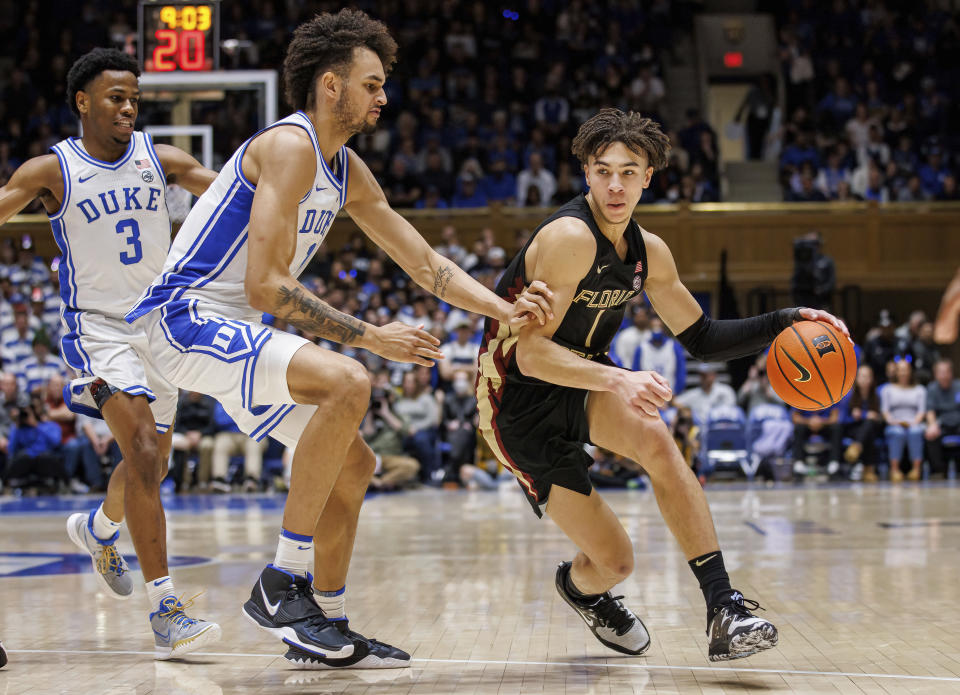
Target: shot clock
{"x": 179, "y": 36}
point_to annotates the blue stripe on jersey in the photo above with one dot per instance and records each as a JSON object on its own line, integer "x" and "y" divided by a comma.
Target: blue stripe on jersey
{"x": 148, "y": 141}
{"x": 162, "y": 429}
{"x": 65, "y": 175}
{"x": 346, "y": 177}
{"x": 334, "y": 181}
{"x": 218, "y": 242}
{"x": 246, "y": 385}
{"x": 268, "y": 425}
{"x": 71, "y": 348}
{"x": 131, "y": 146}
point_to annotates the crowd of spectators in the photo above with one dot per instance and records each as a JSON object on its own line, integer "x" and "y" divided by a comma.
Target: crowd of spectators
{"x": 483, "y": 103}
{"x": 871, "y": 92}
{"x": 422, "y": 422}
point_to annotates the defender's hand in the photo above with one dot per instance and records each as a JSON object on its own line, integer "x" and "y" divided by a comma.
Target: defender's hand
{"x": 533, "y": 304}
{"x": 820, "y": 315}
{"x": 402, "y": 343}
{"x": 646, "y": 392}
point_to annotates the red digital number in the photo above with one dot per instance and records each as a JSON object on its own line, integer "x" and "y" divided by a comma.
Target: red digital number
{"x": 163, "y": 53}
{"x": 198, "y": 41}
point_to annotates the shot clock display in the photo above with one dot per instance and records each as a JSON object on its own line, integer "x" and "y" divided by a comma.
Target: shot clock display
{"x": 179, "y": 36}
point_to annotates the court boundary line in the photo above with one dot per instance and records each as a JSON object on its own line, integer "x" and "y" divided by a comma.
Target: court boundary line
{"x": 504, "y": 662}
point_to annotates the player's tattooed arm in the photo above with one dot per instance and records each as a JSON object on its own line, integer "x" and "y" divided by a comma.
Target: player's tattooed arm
{"x": 315, "y": 316}
{"x": 441, "y": 280}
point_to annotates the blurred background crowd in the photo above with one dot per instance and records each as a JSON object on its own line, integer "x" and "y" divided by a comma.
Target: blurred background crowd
{"x": 483, "y": 104}
{"x": 902, "y": 419}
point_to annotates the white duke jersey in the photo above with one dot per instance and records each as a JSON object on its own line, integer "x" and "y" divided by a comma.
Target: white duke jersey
{"x": 208, "y": 260}
{"x": 112, "y": 227}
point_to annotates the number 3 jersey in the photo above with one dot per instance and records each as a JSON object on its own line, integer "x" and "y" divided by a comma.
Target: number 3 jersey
{"x": 112, "y": 228}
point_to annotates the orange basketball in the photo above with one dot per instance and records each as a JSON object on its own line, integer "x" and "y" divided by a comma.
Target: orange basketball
{"x": 811, "y": 365}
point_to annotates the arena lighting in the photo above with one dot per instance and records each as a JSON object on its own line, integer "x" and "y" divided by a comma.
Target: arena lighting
{"x": 733, "y": 59}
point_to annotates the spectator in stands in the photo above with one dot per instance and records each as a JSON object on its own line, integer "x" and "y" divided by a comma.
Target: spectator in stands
{"x": 903, "y": 404}
{"x": 881, "y": 346}
{"x": 661, "y": 354}
{"x": 568, "y": 184}
{"x": 949, "y": 191}
{"x": 36, "y": 370}
{"x": 17, "y": 341}
{"x": 83, "y": 459}
{"x": 943, "y": 411}
{"x": 33, "y": 459}
{"x": 708, "y": 395}
{"x": 383, "y": 431}
{"x": 460, "y": 424}
{"x": 401, "y": 186}
{"x": 646, "y": 91}
{"x": 832, "y": 174}
{"x": 757, "y": 110}
{"x": 808, "y": 193}
{"x": 535, "y": 175}
{"x": 826, "y": 425}
{"x": 801, "y": 150}
{"x": 838, "y": 106}
{"x": 420, "y": 413}
{"x": 865, "y": 423}
{"x": 450, "y": 246}
{"x": 925, "y": 353}
{"x": 431, "y": 200}
{"x": 468, "y": 194}
{"x": 756, "y": 389}
{"x": 686, "y": 433}
{"x": 874, "y": 149}
{"x": 933, "y": 172}
{"x": 858, "y": 127}
{"x": 229, "y": 441}
{"x": 629, "y": 339}
{"x": 500, "y": 186}
{"x": 460, "y": 354}
{"x": 193, "y": 441}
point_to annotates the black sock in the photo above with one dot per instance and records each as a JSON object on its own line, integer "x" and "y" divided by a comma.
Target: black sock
{"x": 714, "y": 582}
{"x": 574, "y": 592}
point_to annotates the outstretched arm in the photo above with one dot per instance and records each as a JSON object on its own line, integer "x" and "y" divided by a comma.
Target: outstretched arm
{"x": 286, "y": 164}
{"x": 183, "y": 170}
{"x": 369, "y": 208}
{"x": 707, "y": 339}
{"x": 37, "y": 177}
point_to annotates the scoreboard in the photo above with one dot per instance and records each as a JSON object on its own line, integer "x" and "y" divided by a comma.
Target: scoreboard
{"x": 178, "y": 36}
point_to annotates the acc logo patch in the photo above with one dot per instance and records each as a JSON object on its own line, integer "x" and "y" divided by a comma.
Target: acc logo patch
{"x": 147, "y": 176}
{"x": 823, "y": 344}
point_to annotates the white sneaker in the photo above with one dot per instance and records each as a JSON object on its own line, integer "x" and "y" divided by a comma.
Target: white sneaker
{"x": 109, "y": 567}
{"x": 175, "y": 633}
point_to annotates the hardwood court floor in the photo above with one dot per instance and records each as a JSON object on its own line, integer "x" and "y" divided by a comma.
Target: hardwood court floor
{"x": 863, "y": 583}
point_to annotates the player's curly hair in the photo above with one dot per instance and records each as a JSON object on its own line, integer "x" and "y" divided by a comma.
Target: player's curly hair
{"x": 325, "y": 43}
{"x": 608, "y": 126}
{"x": 91, "y": 64}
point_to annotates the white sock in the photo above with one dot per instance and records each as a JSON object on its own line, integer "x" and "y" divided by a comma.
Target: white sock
{"x": 103, "y": 526}
{"x": 158, "y": 589}
{"x": 332, "y": 603}
{"x": 294, "y": 552}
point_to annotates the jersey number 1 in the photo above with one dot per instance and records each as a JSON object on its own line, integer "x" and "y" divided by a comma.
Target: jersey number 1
{"x": 133, "y": 229}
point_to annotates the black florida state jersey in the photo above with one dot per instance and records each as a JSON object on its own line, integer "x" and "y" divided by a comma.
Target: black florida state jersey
{"x": 596, "y": 312}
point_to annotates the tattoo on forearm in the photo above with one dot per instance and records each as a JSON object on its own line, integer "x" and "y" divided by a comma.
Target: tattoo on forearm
{"x": 318, "y": 317}
{"x": 442, "y": 279}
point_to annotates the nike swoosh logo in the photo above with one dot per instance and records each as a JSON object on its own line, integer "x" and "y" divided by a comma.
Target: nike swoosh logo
{"x": 84, "y": 180}
{"x": 321, "y": 188}
{"x": 701, "y": 563}
{"x": 272, "y": 608}
{"x": 158, "y": 582}
{"x": 161, "y": 635}
{"x": 601, "y": 267}
{"x": 804, "y": 374}
{"x": 303, "y": 547}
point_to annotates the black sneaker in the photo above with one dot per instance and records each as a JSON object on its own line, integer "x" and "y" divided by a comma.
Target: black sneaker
{"x": 608, "y": 619}
{"x": 367, "y": 653}
{"x": 3, "y": 656}
{"x": 736, "y": 633}
{"x": 282, "y": 604}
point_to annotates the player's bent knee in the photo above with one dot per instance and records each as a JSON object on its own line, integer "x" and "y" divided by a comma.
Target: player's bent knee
{"x": 143, "y": 457}
{"x": 353, "y": 387}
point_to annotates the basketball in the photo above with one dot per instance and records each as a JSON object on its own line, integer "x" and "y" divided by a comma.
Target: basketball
{"x": 811, "y": 365}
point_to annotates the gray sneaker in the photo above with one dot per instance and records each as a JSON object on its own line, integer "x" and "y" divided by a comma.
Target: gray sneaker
{"x": 109, "y": 567}
{"x": 175, "y": 633}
